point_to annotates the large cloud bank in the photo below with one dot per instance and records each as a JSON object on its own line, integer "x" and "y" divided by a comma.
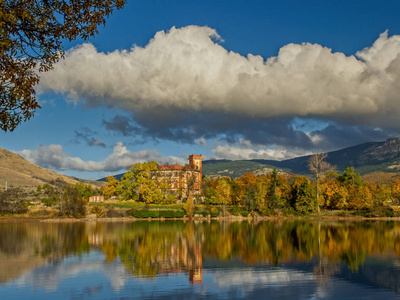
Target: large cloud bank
{"x": 184, "y": 84}
{"x": 54, "y": 157}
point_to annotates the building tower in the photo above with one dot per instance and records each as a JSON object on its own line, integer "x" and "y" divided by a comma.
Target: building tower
{"x": 195, "y": 160}
{"x": 195, "y": 163}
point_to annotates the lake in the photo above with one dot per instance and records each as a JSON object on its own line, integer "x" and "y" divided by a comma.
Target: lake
{"x": 200, "y": 260}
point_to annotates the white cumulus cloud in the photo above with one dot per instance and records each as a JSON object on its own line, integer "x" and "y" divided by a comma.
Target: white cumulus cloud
{"x": 53, "y": 157}
{"x": 185, "y": 69}
{"x": 244, "y": 150}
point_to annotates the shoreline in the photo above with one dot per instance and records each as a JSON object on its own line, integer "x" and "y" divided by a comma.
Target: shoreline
{"x": 27, "y": 219}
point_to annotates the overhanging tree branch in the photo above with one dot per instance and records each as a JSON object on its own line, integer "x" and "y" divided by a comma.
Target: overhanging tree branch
{"x": 31, "y": 36}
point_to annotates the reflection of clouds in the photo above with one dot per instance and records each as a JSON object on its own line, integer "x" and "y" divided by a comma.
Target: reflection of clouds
{"x": 49, "y": 276}
{"x": 287, "y": 284}
{"x": 243, "y": 283}
{"x": 88, "y": 277}
{"x": 250, "y": 278}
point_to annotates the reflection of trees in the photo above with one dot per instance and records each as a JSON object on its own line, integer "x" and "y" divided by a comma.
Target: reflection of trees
{"x": 24, "y": 246}
{"x": 150, "y": 248}
{"x": 52, "y": 240}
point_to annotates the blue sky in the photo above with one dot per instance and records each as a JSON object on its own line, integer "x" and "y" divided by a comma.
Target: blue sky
{"x": 226, "y": 79}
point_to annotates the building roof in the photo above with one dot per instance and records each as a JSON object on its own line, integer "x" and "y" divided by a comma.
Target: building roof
{"x": 170, "y": 167}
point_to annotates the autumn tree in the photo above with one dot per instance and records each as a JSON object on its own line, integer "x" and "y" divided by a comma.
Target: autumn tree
{"x": 139, "y": 182}
{"x": 211, "y": 196}
{"x": 248, "y": 184}
{"x": 260, "y": 195}
{"x": 381, "y": 193}
{"x": 318, "y": 166}
{"x": 224, "y": 191}
{"x": 334, "y": 194}
{"x": 395, "y": 191}
{"x": 32, "y": 33}
{"x": 360, "y": 198}
{"x": 110, "y": 189}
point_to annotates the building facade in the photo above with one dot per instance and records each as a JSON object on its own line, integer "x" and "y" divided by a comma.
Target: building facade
{"x": 96, "y": 198}
{"x": 183, "y": 180}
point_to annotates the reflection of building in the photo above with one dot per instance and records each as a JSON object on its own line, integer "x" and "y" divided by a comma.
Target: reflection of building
{"x": 182, "y": 179}
{"x": 95, "y": 239}
{"x": 183, "y": 256}
{"x": 196, "y": 266}
{"x": 178, "y": 253}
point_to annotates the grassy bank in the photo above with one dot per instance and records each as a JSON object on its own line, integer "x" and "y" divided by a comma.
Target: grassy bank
{"x": 139, "y": 210}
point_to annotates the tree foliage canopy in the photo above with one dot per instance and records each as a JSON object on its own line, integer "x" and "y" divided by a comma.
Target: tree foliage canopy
{"x": 32, "y": 33}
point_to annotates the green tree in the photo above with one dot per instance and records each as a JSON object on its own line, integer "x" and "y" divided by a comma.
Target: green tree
{"x": 85, "y": 190}
{"x": 302, "y": 198}
{"x": 139, "y": 178}
{"x": 32, "y": 33}
{"x": 211, "y": 196}
{"x": 149, "y": 192}
{"x": 275, "y": 182}
{"x": 351, "y": 178}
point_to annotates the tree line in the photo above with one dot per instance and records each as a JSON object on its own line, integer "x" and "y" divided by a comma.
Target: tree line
{"x": 272, "y": 193}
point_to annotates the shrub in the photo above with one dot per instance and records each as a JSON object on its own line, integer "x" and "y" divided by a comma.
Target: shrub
{"x": 156, "y": 213}
{"x": 13, "y": 201}
{"x": 379, "y": 211}
{"x": 47, "y": 201}
{"x": 115, "y": 213}
{"x": 214, "y": 212}
{"x": 244, "y": 213}
{"x": 98, "y": 210}
{"x": 235, "y": 211}
{"x": 41, "y": 213}
{"x": 170, "y": 199}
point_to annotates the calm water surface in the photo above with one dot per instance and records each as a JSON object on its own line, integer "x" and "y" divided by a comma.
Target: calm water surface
{"x": 210, "y": 260}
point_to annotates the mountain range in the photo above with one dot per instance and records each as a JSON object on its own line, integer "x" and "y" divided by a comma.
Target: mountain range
{"x": 365, "y": 158}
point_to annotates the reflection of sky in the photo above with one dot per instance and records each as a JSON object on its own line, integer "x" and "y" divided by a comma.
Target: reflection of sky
{"x": 89, "y": 277}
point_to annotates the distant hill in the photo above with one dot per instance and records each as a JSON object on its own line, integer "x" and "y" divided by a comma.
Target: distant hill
{"x": 365, "y": 158}
{"x": 236, "y": 168}
{"x": 18, "y": 172}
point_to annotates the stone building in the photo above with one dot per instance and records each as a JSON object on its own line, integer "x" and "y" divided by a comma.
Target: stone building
{"x": 183, "y": 179}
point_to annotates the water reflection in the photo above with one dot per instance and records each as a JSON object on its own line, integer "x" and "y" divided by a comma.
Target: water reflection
{"x": 202, "y": 260}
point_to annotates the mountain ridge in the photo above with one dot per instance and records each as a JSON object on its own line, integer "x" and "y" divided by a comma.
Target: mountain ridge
{"x": 365, "y": 158}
